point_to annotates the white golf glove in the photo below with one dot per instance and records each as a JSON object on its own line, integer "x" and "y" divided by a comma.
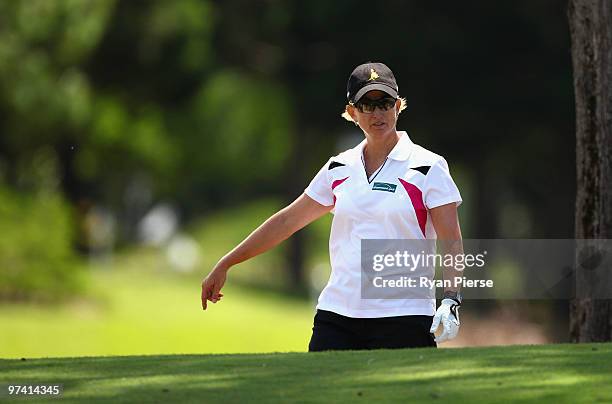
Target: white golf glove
{"x": 448, "y": 315}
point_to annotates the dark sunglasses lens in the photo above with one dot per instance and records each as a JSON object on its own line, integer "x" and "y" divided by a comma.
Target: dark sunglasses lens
{"x": 368, "y": 106}
{"x": 387, "y": 103}
{"x": 365, "y": 107}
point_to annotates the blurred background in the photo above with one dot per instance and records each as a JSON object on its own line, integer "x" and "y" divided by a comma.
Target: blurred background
{"x": 141, "y": 140}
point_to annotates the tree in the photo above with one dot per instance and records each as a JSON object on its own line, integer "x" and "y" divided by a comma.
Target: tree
{"x": 590, "y": 24}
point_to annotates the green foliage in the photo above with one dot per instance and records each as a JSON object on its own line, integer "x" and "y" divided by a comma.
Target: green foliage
{"x": 189, "y": 20}
{"x": 209, "y": 103}
{"x": 130, "y": 140}
{"x": 41, "y": 85}
{"x": 37, "y": 261}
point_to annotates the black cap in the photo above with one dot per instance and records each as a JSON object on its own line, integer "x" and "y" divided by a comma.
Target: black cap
{"x": 370, "y": 76}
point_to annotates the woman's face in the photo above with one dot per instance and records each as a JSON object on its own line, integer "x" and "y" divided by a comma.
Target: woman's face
{"x": 378, "y": 122}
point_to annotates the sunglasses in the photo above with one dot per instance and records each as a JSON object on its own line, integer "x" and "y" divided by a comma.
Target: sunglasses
{"x": 367, "y": 106}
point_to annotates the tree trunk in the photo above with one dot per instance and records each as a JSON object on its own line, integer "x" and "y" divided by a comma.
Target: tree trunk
{"x": 590, "y": 23}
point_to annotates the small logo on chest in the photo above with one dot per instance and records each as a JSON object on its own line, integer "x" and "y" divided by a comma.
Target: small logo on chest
{"x": 383, "y": 186}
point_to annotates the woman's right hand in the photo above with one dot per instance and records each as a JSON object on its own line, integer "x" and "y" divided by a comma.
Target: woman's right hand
{"x": 212, "y": 284}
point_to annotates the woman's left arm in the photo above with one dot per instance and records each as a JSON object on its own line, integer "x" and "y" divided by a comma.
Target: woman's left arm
{"x": 446, "y": 224}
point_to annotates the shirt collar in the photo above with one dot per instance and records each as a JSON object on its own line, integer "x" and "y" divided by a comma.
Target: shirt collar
{"x": 401, "y": 151}
{"x": 403, "y": 148}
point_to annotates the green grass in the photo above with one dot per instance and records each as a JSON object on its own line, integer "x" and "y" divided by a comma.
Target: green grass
{"x": 152, "y": 312}
{"x": 139, "y": 305}
{"x": 545, "y": 373}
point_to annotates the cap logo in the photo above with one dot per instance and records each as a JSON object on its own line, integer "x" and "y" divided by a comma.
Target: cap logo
{"x": 373, "y": 75}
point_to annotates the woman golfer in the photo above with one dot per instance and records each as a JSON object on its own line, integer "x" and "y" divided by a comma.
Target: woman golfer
{"x": 387, "y": 187}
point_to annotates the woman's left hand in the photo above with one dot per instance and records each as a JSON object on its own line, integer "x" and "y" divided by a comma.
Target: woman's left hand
{"x": 448, "y": 315}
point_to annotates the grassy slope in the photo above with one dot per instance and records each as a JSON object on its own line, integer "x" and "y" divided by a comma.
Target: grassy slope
{"x": 143, "y": 307}
{"x": 551, "y": 373}
{"x": 139, "y": 313}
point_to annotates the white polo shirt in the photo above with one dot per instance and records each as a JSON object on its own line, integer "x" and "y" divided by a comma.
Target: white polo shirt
{"x": 393, "y": 203}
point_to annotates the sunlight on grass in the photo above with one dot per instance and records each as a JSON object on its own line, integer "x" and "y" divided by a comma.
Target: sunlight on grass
{"x": 551, "y": 373}
{"x": 142, "y": 314}
{"x": 427, "y": 373}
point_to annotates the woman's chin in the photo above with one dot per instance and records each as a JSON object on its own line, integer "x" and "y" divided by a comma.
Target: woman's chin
{"x": 378, "y": 130}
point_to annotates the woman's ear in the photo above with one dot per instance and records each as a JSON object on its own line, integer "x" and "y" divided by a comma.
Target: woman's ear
{"x": 351, "y": 111}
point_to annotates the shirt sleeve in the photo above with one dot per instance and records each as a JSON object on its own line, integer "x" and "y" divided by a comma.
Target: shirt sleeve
{"x": 440, "y": 189}
{"x": 319, "y": 188}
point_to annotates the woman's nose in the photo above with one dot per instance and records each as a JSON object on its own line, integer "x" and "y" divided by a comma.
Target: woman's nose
{"x": 378, "y": 111}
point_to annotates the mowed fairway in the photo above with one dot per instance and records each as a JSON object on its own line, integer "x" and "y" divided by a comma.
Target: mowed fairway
{"x": 546, "y": 373}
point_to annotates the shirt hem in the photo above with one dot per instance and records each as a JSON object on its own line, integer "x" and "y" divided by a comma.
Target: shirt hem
{"x": 445, "y": 201}
{"x": 317, "y": 198}
{"x": 378, "y": 313}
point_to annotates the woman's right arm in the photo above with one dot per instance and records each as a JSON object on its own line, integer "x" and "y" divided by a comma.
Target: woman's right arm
{"x": 277, "y": 228}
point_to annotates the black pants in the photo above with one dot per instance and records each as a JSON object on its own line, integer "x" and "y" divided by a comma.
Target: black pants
{"x": 332, "y": 331}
